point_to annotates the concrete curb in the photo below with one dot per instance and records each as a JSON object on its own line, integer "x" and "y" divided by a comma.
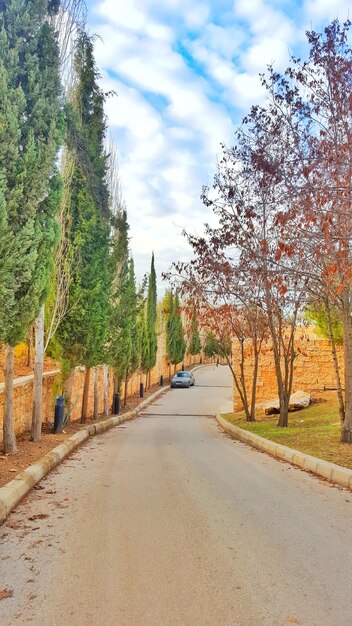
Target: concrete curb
{"x": 336, "y": 474}
{"x": 15, "y": 490}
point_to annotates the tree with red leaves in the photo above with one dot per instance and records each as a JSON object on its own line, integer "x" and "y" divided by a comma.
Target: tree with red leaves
{"x": 317, "y": 96}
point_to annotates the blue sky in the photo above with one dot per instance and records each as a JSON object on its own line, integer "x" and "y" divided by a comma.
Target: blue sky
{"x": 185, "y": 73}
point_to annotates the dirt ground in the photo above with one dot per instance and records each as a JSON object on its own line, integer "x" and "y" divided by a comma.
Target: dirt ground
{"x": 29, "y": 452}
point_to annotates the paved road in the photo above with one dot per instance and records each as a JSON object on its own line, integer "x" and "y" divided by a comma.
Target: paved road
{"x": 166, "y": 521}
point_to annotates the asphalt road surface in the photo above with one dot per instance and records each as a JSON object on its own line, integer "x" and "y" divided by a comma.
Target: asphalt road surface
{"x": 167, "y": 521}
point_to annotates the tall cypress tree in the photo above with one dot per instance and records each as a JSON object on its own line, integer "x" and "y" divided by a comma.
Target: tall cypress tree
{"x": 195, "y": 344}
{"x": 119, "y": 341}
{"x": 149, "y": 339}
{"x": 133, "y": 356}
{"x": 175, "y": 333}
{"x": 30, "y": 132}
{"x": 133, "y": 300}
{"x": 152, "y": 315}
{"x": 83, "y": 331}
{"x": 210, "y": 345}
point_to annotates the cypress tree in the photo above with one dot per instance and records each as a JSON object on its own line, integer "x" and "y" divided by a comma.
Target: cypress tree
{"x": 120, "y": 341}
{"x": 210, "y": 345}
{"x": 30, "y": 131}
{"x": 134, "y": 347}
{"x": 83, "y": 331}
{"x": 152, "y": 315}
{"x": 175, "y": 333}
{"x": 195, "y": 344}
{"x": 149, "y": 340}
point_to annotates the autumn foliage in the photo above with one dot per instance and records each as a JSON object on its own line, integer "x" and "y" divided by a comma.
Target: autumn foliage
{"x": 282, "y": 196}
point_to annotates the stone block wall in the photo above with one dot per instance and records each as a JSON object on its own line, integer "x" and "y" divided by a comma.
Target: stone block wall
{"x": 23, "y": 387}
{"x": 313, "y": 368}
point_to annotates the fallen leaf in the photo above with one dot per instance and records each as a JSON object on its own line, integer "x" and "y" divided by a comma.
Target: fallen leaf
{"x": 38, "y": 516}
{"x": 6, "y": 593}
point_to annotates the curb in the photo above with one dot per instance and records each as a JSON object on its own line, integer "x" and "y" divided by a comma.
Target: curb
{"x": 336, "y": 474}
{"x": 15, "y": 490}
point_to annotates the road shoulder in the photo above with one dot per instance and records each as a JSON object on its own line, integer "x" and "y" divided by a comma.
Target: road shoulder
{"x": 331, "y": 472}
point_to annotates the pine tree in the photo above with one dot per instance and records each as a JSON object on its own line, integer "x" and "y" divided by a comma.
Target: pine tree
{"x": 195, "y": 344}
{"x": 30, "y": 130}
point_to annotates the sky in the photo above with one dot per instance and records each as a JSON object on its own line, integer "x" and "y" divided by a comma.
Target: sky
{"x": 185, "y": 74}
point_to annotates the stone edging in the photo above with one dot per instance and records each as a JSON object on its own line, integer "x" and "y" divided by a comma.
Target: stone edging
{"x": 330, "y": 471}
{"x": 13, "y": 492}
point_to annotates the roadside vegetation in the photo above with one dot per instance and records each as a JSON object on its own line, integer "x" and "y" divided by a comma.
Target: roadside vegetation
{"x": 315, "y": 430}
{"x": 282, "y": 250}
{"x": 67, "y": 273}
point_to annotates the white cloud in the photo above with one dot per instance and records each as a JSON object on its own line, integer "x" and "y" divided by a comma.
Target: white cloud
{"x": 185, "y": 72}
{"x": 327, "y": 10}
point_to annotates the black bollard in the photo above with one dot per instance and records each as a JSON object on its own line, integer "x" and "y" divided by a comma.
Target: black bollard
{"x": 183, "y": 367}
{"x": 116, "y": 404}
{"x": 59, "y": 414}
{"x": 141, "y": 390}
{"x": 161, "y": 380}
{"x": 201, "y": 361}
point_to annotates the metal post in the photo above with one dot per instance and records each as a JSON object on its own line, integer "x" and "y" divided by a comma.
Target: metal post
{"x": 59, "y": 414}
{"x": 116, "y": 404}
{"x": 183, "y": 367}
{"x": 161, "y": 380}
{"x": 141, "y": 390}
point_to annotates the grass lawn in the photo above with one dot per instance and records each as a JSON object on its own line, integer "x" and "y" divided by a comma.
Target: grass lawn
{"x": 315, "y": 430}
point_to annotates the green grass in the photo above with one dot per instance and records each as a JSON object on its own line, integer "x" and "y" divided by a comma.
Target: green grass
{"x": 315, "y": 431}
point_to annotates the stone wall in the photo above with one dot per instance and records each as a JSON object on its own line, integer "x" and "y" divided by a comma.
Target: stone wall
{"x": 23, "y": 387}
{"x": 313, "y": 367}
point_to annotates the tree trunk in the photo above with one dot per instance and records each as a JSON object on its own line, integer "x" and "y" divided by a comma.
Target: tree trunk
{"x": 67, "y": 393}
{"x": 254, "y": 385}
{"x": 116, "y": 383}
{"x": 346, "y": 429}
{"x": 125, "y": 391}
{"x": 8, "y": 425}
{"x": 106, "y": 390}
{"x": 28, "y": 342}
{"x": 85, "y": 396}
{"x": 36, "y": 429}
{"x": 242, "y": 382}
{"x": 284, "y": 402}
{"x": 336, "y": 365}
{"x": 96, "y": 392}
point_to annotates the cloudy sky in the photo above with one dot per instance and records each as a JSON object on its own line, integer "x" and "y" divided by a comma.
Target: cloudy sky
{"x": 185, "y": 73}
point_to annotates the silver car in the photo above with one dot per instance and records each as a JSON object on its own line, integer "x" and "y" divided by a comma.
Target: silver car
{"x": 182, "y": 379}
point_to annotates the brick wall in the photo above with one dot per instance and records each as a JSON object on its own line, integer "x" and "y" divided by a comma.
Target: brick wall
{"x": 313, "y": 367}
